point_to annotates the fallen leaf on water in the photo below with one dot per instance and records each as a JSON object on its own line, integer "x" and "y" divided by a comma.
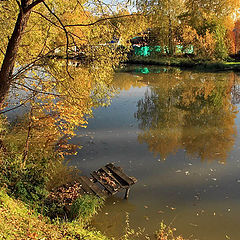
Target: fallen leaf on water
{"x": 160, "y": 212}
{"x": 145, "y": 206}
{"x": 192, "y": 224}
{"x": 178, "y": 171}
{"x": 146, "y": 217}
{"x": 172, "y": 208}
{"x": 227, "y": 237}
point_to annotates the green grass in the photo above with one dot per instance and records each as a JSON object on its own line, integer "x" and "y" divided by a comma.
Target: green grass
{"x": 18, "y": 221}
{"x": 187, "y": 62}
{"x": 84, "y": 207}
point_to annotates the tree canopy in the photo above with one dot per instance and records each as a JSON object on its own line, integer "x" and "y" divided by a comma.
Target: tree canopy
{"x": 206, "y": 25}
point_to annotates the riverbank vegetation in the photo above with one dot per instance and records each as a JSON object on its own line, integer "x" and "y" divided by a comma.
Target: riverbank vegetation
{"x": 186, "y": 62}
{"x": 190, "y": 33}
{"x": 18, "y": 221}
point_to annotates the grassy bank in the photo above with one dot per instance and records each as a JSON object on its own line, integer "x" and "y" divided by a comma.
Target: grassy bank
{"x": 18, "y": 221}
{"x": 186, "y": 62}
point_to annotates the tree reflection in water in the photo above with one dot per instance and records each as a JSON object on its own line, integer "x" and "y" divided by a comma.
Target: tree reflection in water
{"x": 191, "y": 111}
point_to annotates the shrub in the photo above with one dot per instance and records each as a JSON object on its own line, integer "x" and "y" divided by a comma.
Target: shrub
{"x": 84, "y": 207}
{"x": 27, "y": 183}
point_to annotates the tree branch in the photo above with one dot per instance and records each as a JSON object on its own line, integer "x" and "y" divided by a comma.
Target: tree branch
{"x": 54, "y": 24}
{"x": 19, "y": 5}
{"x": 2, "y": 52}
{"x": 32, "y": 5}
{"x": 102, "y": 20}
{"x": 20, "y": 105}
{"x": 66, "y": 33}
{"x": 29, "y": 65}
{"x": 38, "y": 91}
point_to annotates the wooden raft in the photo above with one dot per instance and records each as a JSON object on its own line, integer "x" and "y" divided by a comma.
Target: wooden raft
{"x": 111, "y": 180}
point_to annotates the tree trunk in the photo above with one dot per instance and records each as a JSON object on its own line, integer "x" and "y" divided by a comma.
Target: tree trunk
{"x": 11, "y": 52}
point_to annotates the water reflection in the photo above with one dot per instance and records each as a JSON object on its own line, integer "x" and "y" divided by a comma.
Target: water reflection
{"x": 124, "y": 81}
{"x": 191, "y": 114}
{"x": 191, "y": 111}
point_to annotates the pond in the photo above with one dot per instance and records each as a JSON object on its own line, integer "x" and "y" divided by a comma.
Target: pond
{"x": 177, "y": 132}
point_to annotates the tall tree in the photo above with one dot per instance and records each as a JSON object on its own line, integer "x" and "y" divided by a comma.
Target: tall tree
{"x": 25, "y": 8}
{"x": 39, "y": 67}
{"x": 215, "y": 18}
{"x": 164, "y": 20}
{"x": 53, "y": 25}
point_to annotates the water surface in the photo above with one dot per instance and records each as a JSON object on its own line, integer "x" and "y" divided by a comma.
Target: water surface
{"x": 177, "y": 132}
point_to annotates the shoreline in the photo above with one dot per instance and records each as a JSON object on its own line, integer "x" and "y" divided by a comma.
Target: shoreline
{"x": 186, "y": 63}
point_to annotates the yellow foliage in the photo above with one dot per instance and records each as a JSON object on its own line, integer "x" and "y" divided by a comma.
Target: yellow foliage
{"x": 204, "y": 46}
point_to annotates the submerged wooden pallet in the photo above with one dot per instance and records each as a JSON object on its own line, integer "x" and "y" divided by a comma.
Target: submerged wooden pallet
{"x": 111, "y": 178}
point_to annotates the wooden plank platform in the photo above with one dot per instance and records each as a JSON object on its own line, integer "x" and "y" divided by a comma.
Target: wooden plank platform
{"x": 121, "y": 175}
{"x": 89, "y": 187}
{"x": 108, "y": 188}
{"x": 113, "y": 179}
{"x": 106, "y": 181}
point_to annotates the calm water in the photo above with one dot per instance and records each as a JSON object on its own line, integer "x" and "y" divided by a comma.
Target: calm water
{"x": 177, "y": 132}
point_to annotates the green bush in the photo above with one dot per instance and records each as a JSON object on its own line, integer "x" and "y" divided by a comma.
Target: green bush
{"x": 84, "y": 207}
{"x": 27, "y": 184}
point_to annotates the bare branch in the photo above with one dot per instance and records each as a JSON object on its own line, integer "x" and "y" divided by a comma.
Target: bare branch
{"x": 18, "y": 106}
{"x": 53, "y": 23}
{"x": 38, "y": 91}
{"x": 66, "y": 33}
{"x": 102, "y": 20}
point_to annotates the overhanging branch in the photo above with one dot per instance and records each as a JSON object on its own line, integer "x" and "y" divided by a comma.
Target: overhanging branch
{"x": 66, "y": 34}
{"x": 32, "y": 5}
{"x": 102, "y": 20}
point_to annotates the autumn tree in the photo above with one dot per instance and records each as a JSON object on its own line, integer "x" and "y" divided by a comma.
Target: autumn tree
{"x": 211, "y": 23}
{"x": 236, "y": 35}
{"x": 51, "y": 25}
{"x": 164, "y": 21}
{"x": 59, "y": 63}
